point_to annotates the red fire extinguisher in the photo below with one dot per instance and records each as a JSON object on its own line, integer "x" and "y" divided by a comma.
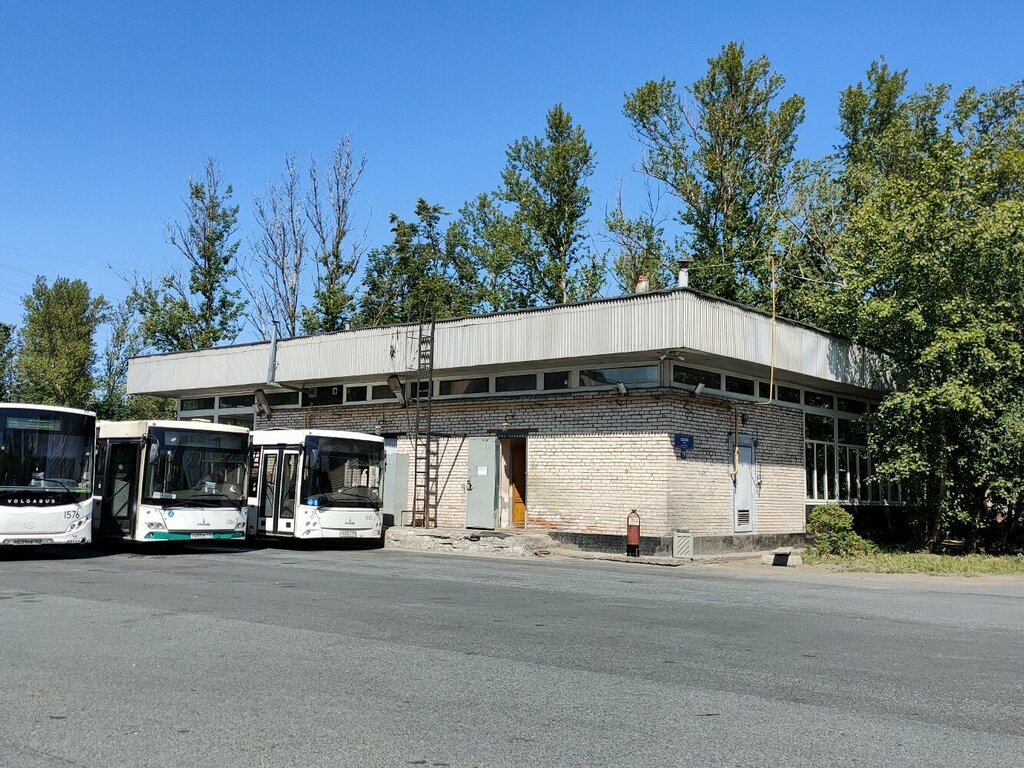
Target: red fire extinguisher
{"x": 633, "y": 534}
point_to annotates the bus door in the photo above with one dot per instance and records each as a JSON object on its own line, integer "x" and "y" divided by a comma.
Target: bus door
{"x": 120, "y": 487}
{"x": 278, "y": 491}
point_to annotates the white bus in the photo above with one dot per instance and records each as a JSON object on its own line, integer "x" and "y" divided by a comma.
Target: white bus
{"x": 171, "y": 480}
{"x": 316, "y": 484}
{"x": 46, "y": 474}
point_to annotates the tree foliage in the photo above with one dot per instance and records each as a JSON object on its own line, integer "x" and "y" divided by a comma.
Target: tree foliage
{"x": 112, "y": 400}
{"x": 328, "y": 209}
{"x": 57, "y": 352}
{"x": 642, "y": 252}
{"x": 280, "y": 251}
{"x": 201, "y": 310}
{"x": 545, "y": 182}
{"x": 8, "y": 363}
{"x": 417, "y": 275}
{"x": 723, "y": 147}
{"x": 930, "y": 252}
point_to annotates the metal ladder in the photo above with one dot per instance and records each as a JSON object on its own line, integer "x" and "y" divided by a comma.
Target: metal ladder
{"x": 425, "y": 443}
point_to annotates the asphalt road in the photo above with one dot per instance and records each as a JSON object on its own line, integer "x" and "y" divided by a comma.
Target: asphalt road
{"x": 296, "y": 657}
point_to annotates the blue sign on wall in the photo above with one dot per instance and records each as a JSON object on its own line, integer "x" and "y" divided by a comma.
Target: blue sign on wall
{"x": 682, "y": 442}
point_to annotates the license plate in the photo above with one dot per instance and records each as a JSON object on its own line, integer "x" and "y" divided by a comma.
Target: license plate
{"x": 346, "y": 534}
{"x": 202, "y": 535}
{"x": 28, "y": 542}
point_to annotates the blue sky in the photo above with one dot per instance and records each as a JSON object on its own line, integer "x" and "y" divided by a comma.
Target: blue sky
{"x": 105, "y": 107}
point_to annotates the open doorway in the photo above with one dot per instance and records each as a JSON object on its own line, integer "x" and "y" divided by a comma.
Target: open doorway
{"x": 513, "y": 481}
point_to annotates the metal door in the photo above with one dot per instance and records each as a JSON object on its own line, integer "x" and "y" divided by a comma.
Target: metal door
{"x": 277, "y": 493}
{"x": 288, "y": 496}
{"x": 745, "y": 495}
{"x": 482, "y": 483}
{"x": 120, "y": 487}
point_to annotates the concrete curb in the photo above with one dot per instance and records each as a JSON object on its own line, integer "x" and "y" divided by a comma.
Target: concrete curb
{"x": 529, "y": 544}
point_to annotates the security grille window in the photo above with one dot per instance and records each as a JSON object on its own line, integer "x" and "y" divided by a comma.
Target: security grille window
{"x": 522, "y": 383}
{"x": 691, "y": 377}
{"x": 464, "y": 386}
{"x": 838, "y": 465}
{"x": 355, "y": 394}
{"x": 634, "y": 376}
{"x": 556, "y": 380}
{"x": 739, "y": 386}
{"x": 819, "y": 432}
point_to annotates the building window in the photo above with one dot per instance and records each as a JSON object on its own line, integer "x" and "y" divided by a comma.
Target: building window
{"x": 281, "y": 399}
{"x": 819, "y": 400}
{"x": 691, "y": 377}
{"x": 356, "y": 394}
{"x": 633, "y": 376}
{"x": 418, "y": 389}
{"x": 334, "y": 395}
{"x": 739, "y": 386}
{"x": 381, "y": 392}
{"x": 523, "y": 383}
{"x": 788, "y": 394}
{"x": 237, "y": 421}
{"x": 556, "y": 380}
{"x": 851, "y": 406}
{"x": 236, "y": 401}
{"x": 464, "y": 386}
{"x": 198, "y": 404}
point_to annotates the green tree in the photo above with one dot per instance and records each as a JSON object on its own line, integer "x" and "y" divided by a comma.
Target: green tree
{"x": 8, "y": 362}
{"x": 328, "y": 208}
{"x": 642, "y": 252}
{"x": 931, "y": 258}
{"x": 201, "y": 310}
{"x": 492, "y": 246}
{"x": 415, "y": 276}
{"x": 112, "y": 399}
{"x": 723, "y": 148}
{"x": 55, "y": 362}
{"x": 545, "y": 181}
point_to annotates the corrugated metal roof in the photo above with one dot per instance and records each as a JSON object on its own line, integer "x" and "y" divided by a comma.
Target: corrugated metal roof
{"x": 626, "y": 326}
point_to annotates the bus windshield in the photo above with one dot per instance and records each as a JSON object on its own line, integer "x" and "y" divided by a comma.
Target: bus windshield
{"x": 194, "y": 467}
{"x": 45, "y": 452}
{"x": 342, "y": 473}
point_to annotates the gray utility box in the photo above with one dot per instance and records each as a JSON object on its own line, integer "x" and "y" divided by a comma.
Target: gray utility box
{"x": 682, "y": 544}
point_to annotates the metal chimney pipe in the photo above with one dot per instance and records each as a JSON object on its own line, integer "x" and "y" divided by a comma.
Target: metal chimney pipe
{"x": 684, "y": 271}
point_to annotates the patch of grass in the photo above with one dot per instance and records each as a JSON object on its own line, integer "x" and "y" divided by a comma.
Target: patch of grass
{"x": 922, "y": 562}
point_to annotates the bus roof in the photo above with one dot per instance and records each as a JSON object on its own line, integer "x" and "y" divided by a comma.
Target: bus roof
{"x": 140, "y": 427}
{"x": 298, "y": 436}
{"x": 57, "y": 408}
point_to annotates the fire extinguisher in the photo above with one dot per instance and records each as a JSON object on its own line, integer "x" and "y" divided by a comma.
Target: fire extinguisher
{"x": 633, "y": 534}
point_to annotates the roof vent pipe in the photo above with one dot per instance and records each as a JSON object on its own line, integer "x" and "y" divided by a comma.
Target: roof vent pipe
{"x": 643, "y": 284}
{"x": 272, "y": 359}
{"x": 684, "y": 271}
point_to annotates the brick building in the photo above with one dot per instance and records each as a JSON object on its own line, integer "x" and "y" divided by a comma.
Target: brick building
{"x": 566, "y": 418}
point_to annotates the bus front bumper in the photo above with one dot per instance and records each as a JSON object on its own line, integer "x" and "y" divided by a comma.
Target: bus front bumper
{"x": 193, "y": 535}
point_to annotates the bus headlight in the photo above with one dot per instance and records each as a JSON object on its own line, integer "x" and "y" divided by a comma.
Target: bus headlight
{"x": 155, "y": 526}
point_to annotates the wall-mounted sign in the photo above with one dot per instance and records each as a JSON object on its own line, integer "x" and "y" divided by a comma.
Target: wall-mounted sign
{"x": 682, "y": 442}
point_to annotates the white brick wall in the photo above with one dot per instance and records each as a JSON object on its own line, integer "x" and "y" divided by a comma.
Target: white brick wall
{"x": 591, "y": 458}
